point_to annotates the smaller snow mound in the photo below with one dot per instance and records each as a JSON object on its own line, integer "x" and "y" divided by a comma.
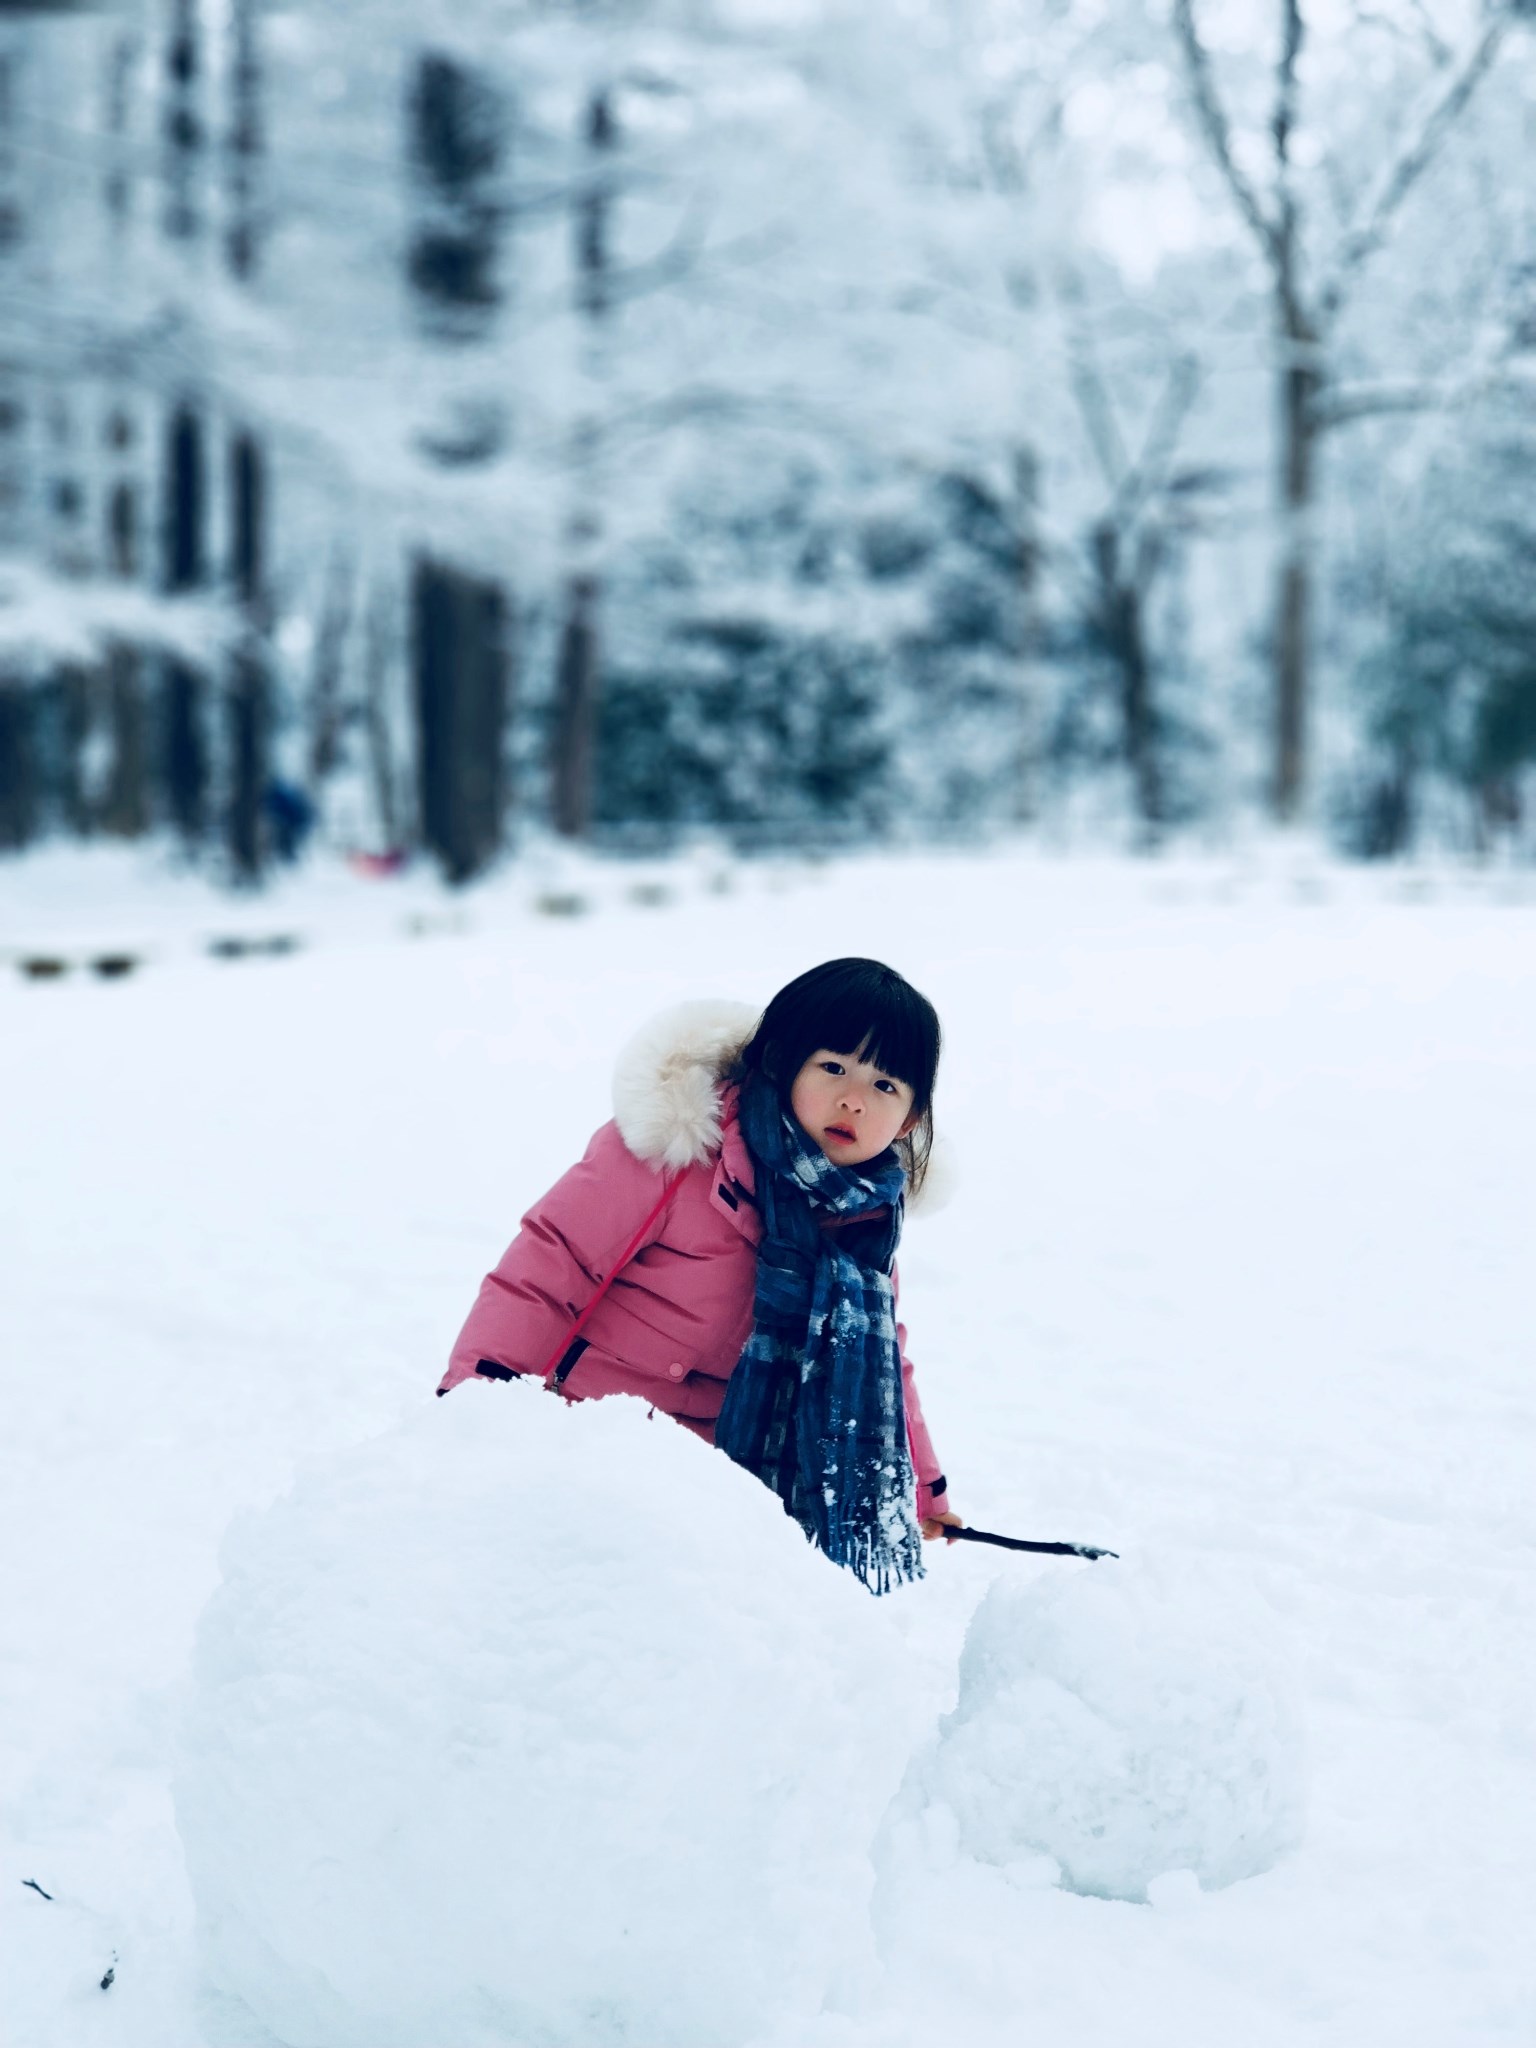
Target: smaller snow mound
{"x": 1122, "y": 1723}
{"x": 525, "y": 1723}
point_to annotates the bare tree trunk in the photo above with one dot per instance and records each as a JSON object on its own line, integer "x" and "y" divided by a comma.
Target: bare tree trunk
{"x": 455, "y": 146}
{"x": 184, "y": 749}
{"x": 69, "y": 699}
{"x": 186, "y": 765}
{"x": 124, "y": 810}
{"x": 578, "y": 697}
{"x": 1026, "y": 471}
{"x": 17, "y": 397}
{"x": 247, "y": 740}
{"x": 65, "y": 486}
{"x": 1123, "y": 626}
{"x": 125, "y": 799}
{"x": 13, "y": 458}
{"x": 185, "y": 746}
{"x": 73, "y": 688}
{"x": 243, "y": 145}
{"x": 124, "y": 518}
{"x": 594, "y": 210}
{"x": 326, "y": 705}
{"x": 576, "y": 702}
{"x": 380, "y": 657}
{"x": 12, "y": 60}
{"x": 1140, "y": 729}
{"x": 457, "y": 127}
{"x": 117, "y": 189}
{"x": 185, "y": 502}
{"x": 182, "y": 123}
{"x": 1299, "y": 373}
{"x": 461, "y": 668}
{"x": 18, "y": 793}
{"x": 247, "y": 689}
{"x": 1307, "y": 312}
{"x": 18, "y": 762}
{"x": 578, "y": 673}
{"x": 1299, "y": 385}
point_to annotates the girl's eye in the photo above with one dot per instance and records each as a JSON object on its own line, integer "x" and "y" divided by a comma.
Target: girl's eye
{"x": 888, "y": 1086}
{"x": 831, "y": 1067}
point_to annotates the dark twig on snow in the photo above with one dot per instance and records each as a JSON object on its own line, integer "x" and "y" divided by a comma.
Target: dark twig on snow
{"x": 1088, "y": 1550}
{"x": 31, "y": 1884}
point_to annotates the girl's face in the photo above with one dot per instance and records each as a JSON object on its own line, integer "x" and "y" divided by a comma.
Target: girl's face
{"x": 849, "y": 1108}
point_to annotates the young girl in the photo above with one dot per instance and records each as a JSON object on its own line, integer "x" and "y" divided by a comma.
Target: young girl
{"x": 726, "y": 1250}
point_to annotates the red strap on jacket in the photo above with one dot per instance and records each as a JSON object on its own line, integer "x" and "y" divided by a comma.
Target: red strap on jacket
{"x": 614, "y": 1271}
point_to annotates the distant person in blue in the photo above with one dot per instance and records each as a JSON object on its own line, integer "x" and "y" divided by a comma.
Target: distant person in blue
{"x": 290, "y": 816}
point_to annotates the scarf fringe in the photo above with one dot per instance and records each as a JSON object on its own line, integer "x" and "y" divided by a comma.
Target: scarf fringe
{"x": 876, "y": 1566}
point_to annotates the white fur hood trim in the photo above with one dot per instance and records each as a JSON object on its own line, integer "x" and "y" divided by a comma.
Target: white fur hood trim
{"x": 666, "y": 1083}
{"x": 666, "y": 1090}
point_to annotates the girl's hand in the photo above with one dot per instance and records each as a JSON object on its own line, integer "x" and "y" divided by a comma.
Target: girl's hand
{"x": 935, "y": 1525}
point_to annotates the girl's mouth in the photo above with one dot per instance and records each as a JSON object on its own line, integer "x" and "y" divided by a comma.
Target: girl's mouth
{"x": 840, "y": 1132}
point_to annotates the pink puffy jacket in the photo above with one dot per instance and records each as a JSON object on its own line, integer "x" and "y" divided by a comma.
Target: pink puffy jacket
{"x": 673, "y": 1324}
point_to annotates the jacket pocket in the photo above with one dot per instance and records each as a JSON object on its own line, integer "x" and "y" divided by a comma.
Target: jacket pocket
{"x": 568, "y": 1361}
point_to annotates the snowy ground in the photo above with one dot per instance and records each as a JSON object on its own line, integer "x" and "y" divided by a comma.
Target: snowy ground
{"x": 1239, "y": 1275}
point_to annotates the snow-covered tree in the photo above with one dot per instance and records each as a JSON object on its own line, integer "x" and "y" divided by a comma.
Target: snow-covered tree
{"x": 657, "y": 413}
{"x": 1321, "y": 142}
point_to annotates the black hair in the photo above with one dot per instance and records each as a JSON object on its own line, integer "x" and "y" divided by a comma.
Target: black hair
{"x": 858, "y": 1007}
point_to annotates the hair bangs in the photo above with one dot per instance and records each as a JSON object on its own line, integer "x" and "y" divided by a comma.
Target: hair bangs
{"x": 858, "y": 1007}
{"x": 889, "y": 1037}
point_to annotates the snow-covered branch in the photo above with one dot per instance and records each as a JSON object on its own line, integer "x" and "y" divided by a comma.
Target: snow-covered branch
{"x": 1424, "y": 136}
{"x": 1422, "y": 31}
{"x": 1137, "y": 481}
{"x": 1151, "y": 473}
{"x": 1215, "y": 128}
{"x": 1283, "y": 120}
{"x": 1380, "y": 397}
{"x": 1347, "y": 403}
{"x": 1091, "y": 391}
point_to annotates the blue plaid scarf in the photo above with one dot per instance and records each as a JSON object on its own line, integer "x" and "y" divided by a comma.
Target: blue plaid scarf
{"x": 815, "y": 1405}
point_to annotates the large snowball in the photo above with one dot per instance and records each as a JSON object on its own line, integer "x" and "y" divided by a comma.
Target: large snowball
{"x": 534, "y": 1724}
{"x": 1117, "y": 1723}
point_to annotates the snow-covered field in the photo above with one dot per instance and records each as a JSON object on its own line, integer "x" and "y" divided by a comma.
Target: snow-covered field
{"x": 1238, "y": 1281}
